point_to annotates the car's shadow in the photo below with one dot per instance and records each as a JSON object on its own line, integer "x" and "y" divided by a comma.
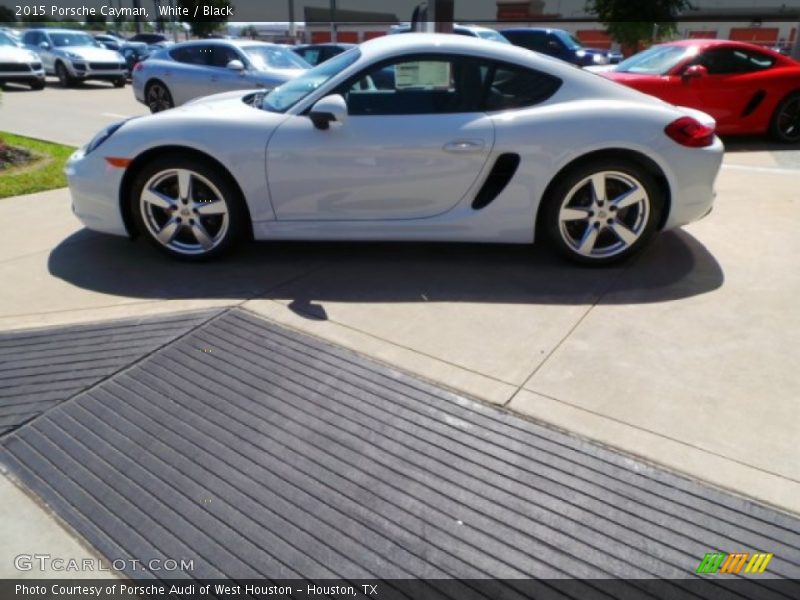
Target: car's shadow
{"x": 307, "y": 274}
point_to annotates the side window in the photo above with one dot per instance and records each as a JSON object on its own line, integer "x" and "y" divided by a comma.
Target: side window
{"x": 192, "y": 55}
{"x": 311, "y": 55}
{"x": 417, "y": 85}
{"x": 511, "y": 86}
{"x": 726, "y": 61}
{"x": 532, "y": 40}
{"x": 222, "y": 55}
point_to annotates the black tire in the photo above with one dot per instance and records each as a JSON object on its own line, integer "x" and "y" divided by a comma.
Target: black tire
{"x": 185, "y": 244}
{"x": 37, "y": 85}
{"x": 157, "y": 97}
{"x": 64, "y": 78}
{"x": 596, "y": 223}
{"x": 785, "y": 124}
{"x": 119, "y": 82}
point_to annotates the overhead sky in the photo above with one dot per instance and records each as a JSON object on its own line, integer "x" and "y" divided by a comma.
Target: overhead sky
{"x": 465, "y": 10}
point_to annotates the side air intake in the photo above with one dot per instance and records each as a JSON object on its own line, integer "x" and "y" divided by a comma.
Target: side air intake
{"x": 502, "y": 172}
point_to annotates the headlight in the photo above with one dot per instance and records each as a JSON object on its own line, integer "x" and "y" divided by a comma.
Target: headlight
{"x": 103, "y": 136}
{"x": 580, "y": 53}
{"x": 599, "y": 59}
{"x": 72, "y": 55}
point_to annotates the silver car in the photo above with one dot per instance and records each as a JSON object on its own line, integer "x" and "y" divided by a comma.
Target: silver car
{"x": 172, "y": 76}
{"x": 75, "y": 56}
{"x": 19, "y": 65}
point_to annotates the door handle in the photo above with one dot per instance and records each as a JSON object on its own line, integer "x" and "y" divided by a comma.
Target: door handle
{"x": 464, "y": 146}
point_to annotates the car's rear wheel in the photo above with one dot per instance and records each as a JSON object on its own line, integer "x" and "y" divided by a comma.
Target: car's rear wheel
{"x": 603, "y": 211}
{"x": 64, "y": 79}
{"x": 785, "y": 125}
{"x": 187, "y": 208}
{"x": 158, "y": 97}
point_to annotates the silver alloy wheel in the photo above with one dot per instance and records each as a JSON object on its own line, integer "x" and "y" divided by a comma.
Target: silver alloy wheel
{"x": 604, "y": 214}
{"x": 158, "y": 98}
{"x": 789, "y": 120}
{"x": 184, "y": 211}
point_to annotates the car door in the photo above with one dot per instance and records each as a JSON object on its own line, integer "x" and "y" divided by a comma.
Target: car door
{"x": 187, "y": 75}
{"x": 224, "y": 79}
{"x": 728, "y": 89}
{"x": 408, "y": 150}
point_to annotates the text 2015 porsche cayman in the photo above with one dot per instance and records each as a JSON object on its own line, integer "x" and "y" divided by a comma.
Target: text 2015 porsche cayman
{"x": 408, "y": 137}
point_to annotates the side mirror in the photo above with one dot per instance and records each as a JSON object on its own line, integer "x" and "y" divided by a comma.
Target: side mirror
{"x": 327, "y": 109}
{"x": 44, "y": 45}
{"x": 694, "y": 72}
{"x": 235, "y": 65}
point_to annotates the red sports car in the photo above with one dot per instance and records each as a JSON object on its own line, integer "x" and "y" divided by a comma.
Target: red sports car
{"x": 746, "y": 88}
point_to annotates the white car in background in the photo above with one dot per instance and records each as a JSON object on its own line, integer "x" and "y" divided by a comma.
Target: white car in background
{"x": 469, "y": 141}
{"x": 74, "y": 56}
{"x": 18, "y": 65}
{"x": 174, "y": 75}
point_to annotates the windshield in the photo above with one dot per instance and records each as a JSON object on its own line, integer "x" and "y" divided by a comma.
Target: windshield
{"x": 274, "y": 57}
{"x": 657, "y": 60}
{"x": 489, "y": 34}
{"x": 72, "y": 39}
{"x": 570, "y": 41}
{"x": 290, "y": 93}
{"x": 6, "y": 40}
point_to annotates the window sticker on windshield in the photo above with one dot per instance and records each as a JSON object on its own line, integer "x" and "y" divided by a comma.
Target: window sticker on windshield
{"x": 423, "y": 74}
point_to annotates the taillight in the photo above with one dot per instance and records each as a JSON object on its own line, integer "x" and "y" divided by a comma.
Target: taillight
{"x": 138, "y": 66}
{"x": 688, "y": 131}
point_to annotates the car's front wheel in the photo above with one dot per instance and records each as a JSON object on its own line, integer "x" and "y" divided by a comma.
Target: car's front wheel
{"x": 119, "y": 82}
{"x": 603, "y": 211}
{"x": 157, "y": 97}
{"x": 64, "y": 78}
{"x": 187, "y": 208}
{"x": 785, "y": 125}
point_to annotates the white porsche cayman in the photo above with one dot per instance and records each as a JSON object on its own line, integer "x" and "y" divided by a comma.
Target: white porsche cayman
{"x": 407, "y": 138}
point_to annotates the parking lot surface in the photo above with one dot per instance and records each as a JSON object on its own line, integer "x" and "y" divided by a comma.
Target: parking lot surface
{"x": 70, "y": 116}
{"x": 684, "y": 357}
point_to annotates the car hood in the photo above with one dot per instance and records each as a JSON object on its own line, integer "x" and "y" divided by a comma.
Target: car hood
{"x": 89, "y": 53}
{"x": 219, "y": 101}
{"x": 14, "y": 54}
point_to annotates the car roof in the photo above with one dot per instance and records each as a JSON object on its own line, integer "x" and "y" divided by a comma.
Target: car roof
{"x": 224, "y": 42}
{"x": 535, "y": 29}
{"x": 716, "y": 43}
{"x": 325, "y": 45}
{"x": 437, "y": 43}
{"x": 57, "y": 30}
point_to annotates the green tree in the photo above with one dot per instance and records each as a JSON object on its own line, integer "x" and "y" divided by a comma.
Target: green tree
{"x": 7, "y": 15}
{"x": 203, "y": 26}
{"x": 96, "y": 22}
{"x": 630, "y": 22}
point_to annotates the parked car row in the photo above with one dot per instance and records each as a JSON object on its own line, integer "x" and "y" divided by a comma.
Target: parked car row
{"x": 176, "y": 74}
{"x": 746, "y": 88}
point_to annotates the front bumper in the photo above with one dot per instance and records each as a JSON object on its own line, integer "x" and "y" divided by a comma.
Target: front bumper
{"x": 88, "y": 70}
{"x": 94, "y": 186}
{"x": 22, "y": 76}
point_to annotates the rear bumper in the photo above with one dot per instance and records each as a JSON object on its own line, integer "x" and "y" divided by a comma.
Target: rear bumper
{"x": 692, "y": 195}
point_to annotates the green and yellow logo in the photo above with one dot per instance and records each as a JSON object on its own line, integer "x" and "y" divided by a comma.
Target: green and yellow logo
{"x": 720, "y": 562}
